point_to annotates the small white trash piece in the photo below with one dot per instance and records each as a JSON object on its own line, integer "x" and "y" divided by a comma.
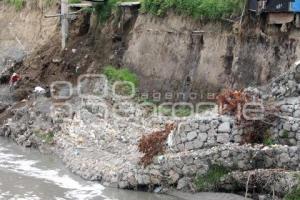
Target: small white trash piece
{"x": 39, "y": 90}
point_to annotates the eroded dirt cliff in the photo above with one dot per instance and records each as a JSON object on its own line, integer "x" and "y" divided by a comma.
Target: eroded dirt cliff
{"x": 170, "y": 54}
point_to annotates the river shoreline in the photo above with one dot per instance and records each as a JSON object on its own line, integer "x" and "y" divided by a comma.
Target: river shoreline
{"x": 106, "y": 150}
{"x": 98, "y": 137}
{"x": 107, "y": 192}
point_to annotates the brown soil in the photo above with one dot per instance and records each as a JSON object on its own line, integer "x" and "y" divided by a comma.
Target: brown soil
{"x": 49, "y": 63}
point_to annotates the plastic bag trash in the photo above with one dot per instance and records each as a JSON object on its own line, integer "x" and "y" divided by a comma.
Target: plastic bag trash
{"x": 158, "y": 189}
{"x": 76, "y": 152}
{"x": 161, "y": 159}
{"x": 39, "y": 90}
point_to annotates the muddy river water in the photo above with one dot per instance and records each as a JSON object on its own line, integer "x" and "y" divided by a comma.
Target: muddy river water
{"x": 26, "y": 174}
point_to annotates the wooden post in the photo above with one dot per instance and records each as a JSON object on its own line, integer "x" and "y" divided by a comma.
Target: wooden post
{"x": 64, "y": 23}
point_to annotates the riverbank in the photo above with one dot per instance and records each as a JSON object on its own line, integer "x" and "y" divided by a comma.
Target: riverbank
{"x": 27, "y": 174}
{"x": 97, "y": 139}
{"x": 96, "y": 133}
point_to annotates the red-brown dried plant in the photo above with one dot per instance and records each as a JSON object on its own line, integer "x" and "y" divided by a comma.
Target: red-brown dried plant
{"x": 231, "y": 102}
{"x": 254, "y": 131}
{"x": 154, "y": 144}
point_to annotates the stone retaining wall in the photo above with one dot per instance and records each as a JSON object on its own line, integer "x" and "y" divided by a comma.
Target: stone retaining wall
{"x": 181, "y": 168}
{"x": 208, "y": 132}
{"x": 287, "y": 84}
{"x": 286, "y": 130}
{"x": 204, "y": 133}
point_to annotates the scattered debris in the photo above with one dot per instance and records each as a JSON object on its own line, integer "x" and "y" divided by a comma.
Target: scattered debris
{"x": 154, "y": 144}
{"x": 14, "y": 79}
{"x": 39, "y": 90}
{"x": 56, "y": 60}
{"x": 231, "y": 102}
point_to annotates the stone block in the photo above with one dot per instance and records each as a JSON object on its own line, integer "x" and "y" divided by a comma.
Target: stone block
{"x": 223, "y": 138}
{"x": 203, "y": 127}
{"x": 296, "y": 114}
{"x": 295, "y": 126}
{"x": 198, "y": 144}
{"x": 202, "y": 137}
{"x": 224, "y": 127}
{"x": 191, "y": 135}
{"x": 189, "y": 145}
{"x": 183, "y": 183}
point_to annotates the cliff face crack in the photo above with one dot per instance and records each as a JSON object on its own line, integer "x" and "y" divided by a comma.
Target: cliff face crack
{"x": 191, "y": 63}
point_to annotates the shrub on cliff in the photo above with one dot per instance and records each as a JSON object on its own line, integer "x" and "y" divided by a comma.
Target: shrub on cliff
{"x": 205, "y": 9}
{"x": 113, "y": 74}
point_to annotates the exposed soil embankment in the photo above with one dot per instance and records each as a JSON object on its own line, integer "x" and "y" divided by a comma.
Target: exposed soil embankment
{"x": 170, "y": 54}
{"x": 23, "y": 31}
{"x": 169, "y": 51}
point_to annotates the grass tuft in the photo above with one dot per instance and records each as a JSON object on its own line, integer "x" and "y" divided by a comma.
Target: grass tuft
{"x": 199, "y": 9}
{"x": 211, "y": 179}
{"x": 18, "y": 4}
{"x": 46, "y": 137}
{"x": 285, "y": 134}
{"x": 74, "y": 1}
{"x": 113, "y": 74}
{"x": 268, "y": 142}
{"x": 204, "y": 9}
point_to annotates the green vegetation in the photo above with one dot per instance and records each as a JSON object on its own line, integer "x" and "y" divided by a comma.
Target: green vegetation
{"x": 293, "y": 195}
{"x": 104, "y": 10}
{"x": 212, "y": 178}
{"x": 113, "y": 74}
{"x": 183, "y": 111}
{"x": 285, "y": 134}
{"x": 165, "y": 110}
{"x": 18, "y": 4}
{"x": 199, "y": 9}
{"x": 88, "y": 10}
{"x": 180, "y": 110}
{"x": 268, "y": 141}
{"x": 47, "y": 137}
{"x": 74, "y": 1}
{"x": 204, "y": 9}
